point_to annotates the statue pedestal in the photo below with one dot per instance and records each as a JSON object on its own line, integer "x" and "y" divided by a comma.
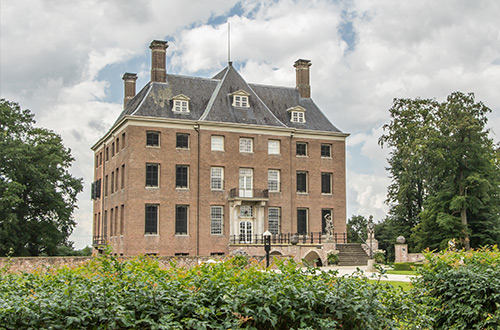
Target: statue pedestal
{"x": 371, "y": 266}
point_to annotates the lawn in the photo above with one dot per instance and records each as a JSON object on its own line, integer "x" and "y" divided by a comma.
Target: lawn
{"x": 401, "y": 272}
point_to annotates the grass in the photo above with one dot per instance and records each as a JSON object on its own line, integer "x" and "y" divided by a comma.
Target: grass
{"x": 406, "y": 286}
{"x": 401, "y": 272}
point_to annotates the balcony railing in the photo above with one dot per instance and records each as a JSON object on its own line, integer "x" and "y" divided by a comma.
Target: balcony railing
{"x": 310, "y": 238}
{"x": 250, "y": 193}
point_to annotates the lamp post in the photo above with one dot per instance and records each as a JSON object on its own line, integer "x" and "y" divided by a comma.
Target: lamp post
{"x": 267, "y": 245}
{"x": 371, "y": 227}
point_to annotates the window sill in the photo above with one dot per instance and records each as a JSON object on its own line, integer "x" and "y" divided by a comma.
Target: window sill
{"x": 302, "y": 193}
{"x": 151, "y": 235}
{"x": 326, "y": 194}
{"x": 181, "y": 189}
{"x": 152, "y": 187}
{"x": 302, "y": 156}
{"x": 154, "y": 147}
{"x": 181, "y": 235}
{"x": 179, "y": 148}
{"x": 324, "y": 157}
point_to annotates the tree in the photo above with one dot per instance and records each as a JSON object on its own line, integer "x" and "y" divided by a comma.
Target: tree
{"x": 445, "y": 171}
{"x": 356, "y": 229}
{"x": 37, "y": 192}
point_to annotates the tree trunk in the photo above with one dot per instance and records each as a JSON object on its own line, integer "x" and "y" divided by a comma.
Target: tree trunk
{"x": 463, "y": 214}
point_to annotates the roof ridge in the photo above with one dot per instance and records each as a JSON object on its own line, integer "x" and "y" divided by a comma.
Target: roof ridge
{"x": 214, "y": 95}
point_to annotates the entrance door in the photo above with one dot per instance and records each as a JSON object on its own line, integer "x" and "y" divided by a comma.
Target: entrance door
{"x": 245, "y": 232}
{"x": 246, "y": 182}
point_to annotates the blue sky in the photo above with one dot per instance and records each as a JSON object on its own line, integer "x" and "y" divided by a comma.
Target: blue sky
{"x": 64, "y": 60}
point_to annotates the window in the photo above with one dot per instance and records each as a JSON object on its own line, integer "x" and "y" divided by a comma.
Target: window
{"x": 298, "y": 117}
{"x": 111, "y": 222}
{"x": 112, "y": 149}
{"x": 117, "y": 176}
{"x": 123, "y": 141}
{"x": 182, "y": 141}
{"x": 117, "y": 145}
{"x": 181, "y": 212}
{"x": 152, "y": 175}
{"x": 152, "y": 139}
{"x": 273, "y": 223}
{"x": 325, "y": 213}
{"x": 302, "y": 221}
{"x": 105, "y": 224}
{"x": 246, "y": 182}
{"x": 273, "y": 180}
{"x": 96, "y": 161}
{"x": 216, "y": 220}
{"x": 245, "y": 232}
{"x": 301, "y": 149}
{"x": 100, "y": 158}
{"x": 106, "y": 186}
{"x": 326, "y": 183}
{"x": 122, "y": 218}
{"x": 112, "y": 182}
{"x": 246, "y": 211}
{"x": 240, "y": 101}
{"x": 246, "y": 145}
{"x": 107, "y": 153}
{"x": 302, "y": 182}
{"x": 123, "y": 176}
{"x": 326, "y": 150}
{"x": 273, "y": 147}
{"x": 181, "y": 176}
{"x": 181, "y": 106}
{"x": 216, "y": 178}
{"x": 151, "y": 221}
{"x": 217, "y": 143}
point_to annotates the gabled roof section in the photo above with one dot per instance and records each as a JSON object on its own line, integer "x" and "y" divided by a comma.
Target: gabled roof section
{"x": 181, "y": 97}
{"x": 220, "y": 107}
{"x": 296, "y": 108}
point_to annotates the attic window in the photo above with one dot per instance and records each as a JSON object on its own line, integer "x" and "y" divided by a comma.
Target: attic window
{"x": 181, "y": 103}
{"x": 297, "y": 114}
{"x": 240, "y": 99}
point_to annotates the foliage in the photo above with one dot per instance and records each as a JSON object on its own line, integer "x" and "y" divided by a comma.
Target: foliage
{"x": 332, "y": 257}
{"x": 445, "y": 172}
{"x": 464, "y": 288}
{"x": 38, "y": 193}
{"x": 403, "y": 265}
{"x": 107, "y": 293}
{"x": 356, "y": 229}
{"x": 379, "y": 256}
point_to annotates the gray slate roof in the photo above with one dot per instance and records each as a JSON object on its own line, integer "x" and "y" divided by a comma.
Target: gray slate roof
{"x": 210, "y": 100}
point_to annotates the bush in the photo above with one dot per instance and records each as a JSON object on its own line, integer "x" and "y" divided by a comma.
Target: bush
{"x": 464, "y": 288}
{"x": 107, "y": 293}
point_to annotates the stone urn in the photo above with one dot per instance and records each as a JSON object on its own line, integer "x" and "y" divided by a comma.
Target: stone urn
{"x": 294, "y": 240}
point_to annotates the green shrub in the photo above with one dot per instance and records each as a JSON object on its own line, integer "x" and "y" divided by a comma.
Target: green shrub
{"x": 463, "y": 287}
{"x": 403, "y": 265}
{"x": 107, "y": 293}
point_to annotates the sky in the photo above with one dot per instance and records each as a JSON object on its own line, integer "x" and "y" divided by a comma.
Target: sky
{"x": 64, "y": 61}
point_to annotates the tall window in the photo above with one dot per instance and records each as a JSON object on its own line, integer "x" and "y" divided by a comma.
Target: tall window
{"x": 117, "y": 176}
{"x": 273, "y": 180}
{"x": 112, "y": 182}
{"x": 181, "y": 212}
{"x": 246, "y": 145}
{"x": 123, "y": 176}
{"x": 274, "y": 220}
{"x": 122, "y": 218}
{"x": 325, "y": 213}
{"x": 302, "y": 182}
{"x": 216, "y": 220}
{"x": 151, "y": 221}
{"x": 106, "y": 186}
{"x": 216, "y": 178}
{"x": 217, "y": 143}
{"x": 152, "y": 139}
{"x": 301, "y": 149}
{"x": 182, "y": 141}
{"x": 273, "y": 147}
{"x": 112, "y": 149}
{"x": 326, "y": 183}
{"x": 302, "y": 221}
{"x": 181, "y": 176}
{"x": 152, "y": 175}
{"x": 123, "y": 141}
{"x": 326, "y": 150}
{"x": 246, "y": 182}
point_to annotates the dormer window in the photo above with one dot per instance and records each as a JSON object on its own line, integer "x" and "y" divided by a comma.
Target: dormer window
{"x": 181, "y": 103}
{"x": 240, "y": 99}
{"x": 297, "y": 114}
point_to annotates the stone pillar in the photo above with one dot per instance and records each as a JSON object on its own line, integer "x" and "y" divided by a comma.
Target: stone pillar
{"x": 401, "y": 250}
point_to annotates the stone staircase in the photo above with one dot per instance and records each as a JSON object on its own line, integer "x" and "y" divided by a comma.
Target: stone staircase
{"x": 352, "y": 254}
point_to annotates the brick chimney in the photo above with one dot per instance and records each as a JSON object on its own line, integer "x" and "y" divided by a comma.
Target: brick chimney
{"x": 129, "y": 85}
{"x": 158, "y": 60}
{"x": 302, "y": 77}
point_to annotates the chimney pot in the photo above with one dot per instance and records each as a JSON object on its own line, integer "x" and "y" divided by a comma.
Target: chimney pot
{"x": 158, "y": 60}
{"x": 129, "y": 85}
{"x": 302, "y": 77}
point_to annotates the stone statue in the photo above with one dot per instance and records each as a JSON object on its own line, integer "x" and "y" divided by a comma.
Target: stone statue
{"x": 329, "y": 228}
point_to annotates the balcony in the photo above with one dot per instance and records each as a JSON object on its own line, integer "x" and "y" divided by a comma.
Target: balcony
{"x": 99, "y": 241}
{"x": 249, "y": 194}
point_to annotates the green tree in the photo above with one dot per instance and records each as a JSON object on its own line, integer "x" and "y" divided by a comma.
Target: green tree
{"x": 445, "y": 172}
{"x": 37, "y": 192}
{"x": 356, "y": 229}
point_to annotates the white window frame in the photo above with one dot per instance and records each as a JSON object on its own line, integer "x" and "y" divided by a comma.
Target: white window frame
{"x": 217, "y": 178}
{"x": 180, "y": 104}
{"x": 240, "y": 101}
{"x": 298, "y": 117}
{"x": 273, "y": 180}
{"x": 246, "y": 211}
{"x": 216, "y": 220}
{"x": 217, "y": 143}
{"x": 246, "y": 145}
{"x": 273, "y": 147}
{"x": 273, "y": 220}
